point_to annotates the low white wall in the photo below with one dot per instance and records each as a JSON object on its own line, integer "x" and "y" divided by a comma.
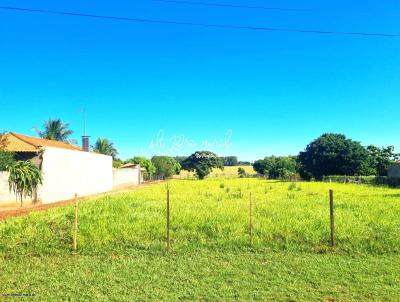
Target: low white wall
{"x": 66, "y": 172}
{"x": 126, "y": 176}
{"x": 5, "y": 195}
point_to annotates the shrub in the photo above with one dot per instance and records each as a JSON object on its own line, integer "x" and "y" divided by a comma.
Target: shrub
{"x": 369, "y": 180}
{"x": 24, "y": 179}
{"x": 241, "y": 172}
{"x": 276, "y": 166}
{"x": 6, "y": 158}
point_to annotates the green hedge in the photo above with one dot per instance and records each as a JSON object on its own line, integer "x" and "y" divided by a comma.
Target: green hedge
{"x": 370, "y": 180}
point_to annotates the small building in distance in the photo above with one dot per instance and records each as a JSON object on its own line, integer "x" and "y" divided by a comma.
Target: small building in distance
{"x": 127, "y": 175}
{"x": 394, "y": 170}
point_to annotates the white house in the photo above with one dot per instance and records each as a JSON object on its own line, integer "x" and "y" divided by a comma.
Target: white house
{"x": 66, "y": 169}
{"x": 127, "y": 175}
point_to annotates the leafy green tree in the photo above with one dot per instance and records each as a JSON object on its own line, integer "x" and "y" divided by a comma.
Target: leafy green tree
{"x": 24, "y": 179}
{"x": 276, "y": 166}
{"x": 202, "y": 162}
{"x": 6, "y": 157}
{"x": 117, "y": 163}
{"x": 166, "y": 166}
{"x": 55, "y": 129}
{"x": 230, "y": 161}
{"x": 382, "y": 158}
{"x": 180, "y": 159}
{"x": 144, "y": 163}
{"x": 259, "y": 166}
{"x": 334, "y": 154}
{"x": 106, "y": 147}
{"x": 241, "y": 172}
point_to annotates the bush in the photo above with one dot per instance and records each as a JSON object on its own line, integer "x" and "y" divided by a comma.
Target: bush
{"x": 369, "y": 180}
{"x": 6, "y": 158}
{"x": 276, "y": 166}
{"x": 117, "y": 163}
{"x": 24, "y": 179}
{"x": 241, "y": 172}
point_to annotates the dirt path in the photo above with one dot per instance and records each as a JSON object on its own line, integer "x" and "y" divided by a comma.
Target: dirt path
{"x": 14, "y": 209}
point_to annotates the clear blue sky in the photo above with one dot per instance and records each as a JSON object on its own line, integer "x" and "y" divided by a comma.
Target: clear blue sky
{"x": 236, "y": 92}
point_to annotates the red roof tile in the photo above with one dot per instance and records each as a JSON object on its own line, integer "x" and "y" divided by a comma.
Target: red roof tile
{"x": 22, "y": 143}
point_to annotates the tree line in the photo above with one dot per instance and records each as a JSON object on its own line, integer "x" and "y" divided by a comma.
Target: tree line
{"x": 330, "y": 154}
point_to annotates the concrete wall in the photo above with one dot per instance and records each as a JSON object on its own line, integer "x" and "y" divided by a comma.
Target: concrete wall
{"x": 66, "y": 172}
{"x": 5, "y": 195}
{"x": 394, "y": 171}
{"x": 126, "y": 176}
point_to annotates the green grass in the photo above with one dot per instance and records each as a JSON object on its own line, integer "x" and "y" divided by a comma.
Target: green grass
{"x": 121, "y": 245}
{"x": 228, "y": 171}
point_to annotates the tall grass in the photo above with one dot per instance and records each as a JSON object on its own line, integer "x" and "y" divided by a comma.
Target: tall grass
{"x": 209, "y": 215}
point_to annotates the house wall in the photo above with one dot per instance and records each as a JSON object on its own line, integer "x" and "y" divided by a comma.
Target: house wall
{"x": 34, "y": 157}
{"x": 66, "y": 172}
{"x": 126, "y": 176}
{"x": 394, "y": 171}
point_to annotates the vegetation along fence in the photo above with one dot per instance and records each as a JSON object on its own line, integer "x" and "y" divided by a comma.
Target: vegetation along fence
{"x": 369, "y": 180}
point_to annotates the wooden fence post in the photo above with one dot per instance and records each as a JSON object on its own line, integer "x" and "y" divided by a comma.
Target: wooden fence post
{"x": 332, "y": 215}
{"x": 75, "y": 231}
{"x": 168, "y": 224}
{"x": 251, "y": 219}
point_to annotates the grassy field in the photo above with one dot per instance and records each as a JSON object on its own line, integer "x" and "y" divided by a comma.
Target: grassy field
{"x": 229, "y": 171}
{"x": 121, "y": 253}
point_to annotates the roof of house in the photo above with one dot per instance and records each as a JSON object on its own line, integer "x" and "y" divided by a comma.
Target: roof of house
{"x": 128, "y": 165}
{"x": 21, "y": 143}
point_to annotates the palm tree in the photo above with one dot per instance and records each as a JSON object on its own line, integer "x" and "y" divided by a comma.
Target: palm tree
{"x": 56, "y": 130}
{"x": 104, "y": 146}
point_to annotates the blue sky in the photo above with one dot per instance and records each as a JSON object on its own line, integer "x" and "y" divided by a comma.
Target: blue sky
{"x": 166, "y": 89}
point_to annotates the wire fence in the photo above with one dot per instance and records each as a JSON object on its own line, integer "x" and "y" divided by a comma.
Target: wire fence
{"x": 251, "y": 218}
